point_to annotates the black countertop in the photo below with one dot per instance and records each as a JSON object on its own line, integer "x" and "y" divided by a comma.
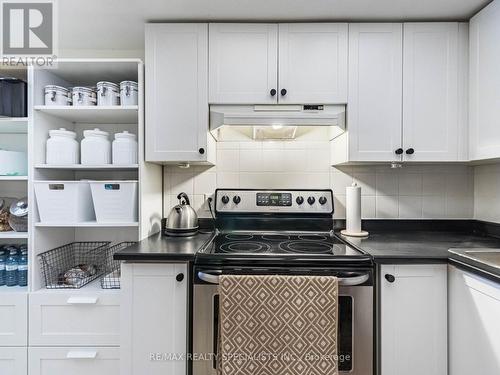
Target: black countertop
{"x": 158, "y": 248}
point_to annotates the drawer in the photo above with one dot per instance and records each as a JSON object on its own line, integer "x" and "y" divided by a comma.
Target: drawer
{"x": 74, "y": 361}
{"x": 13, "y": 319}
{"x": 74, "y": 318}
{"x": 13, "y": 361}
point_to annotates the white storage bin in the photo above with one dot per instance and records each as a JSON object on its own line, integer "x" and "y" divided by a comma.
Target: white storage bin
{"x": 13, "y": 163}
{"x": 64, "y": 201}
{"x": 115, "y": 201}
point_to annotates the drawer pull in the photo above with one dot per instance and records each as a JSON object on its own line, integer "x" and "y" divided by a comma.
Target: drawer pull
{"x": 80, "y": 354}
{"x": 82, "y": 300}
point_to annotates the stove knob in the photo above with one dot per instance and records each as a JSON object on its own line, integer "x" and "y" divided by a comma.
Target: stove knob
{"x": 322, "y": 200}
{"x": 311, "y": 200}
{"x": 299, "y": 200}
{"x": 225, "y": 199}
{"x": 236, "y": 199}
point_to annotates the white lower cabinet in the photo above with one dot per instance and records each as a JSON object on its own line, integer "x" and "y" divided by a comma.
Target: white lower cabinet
{"x": 13, "y": 319}
{"x": 78, "y": 318}
{"x": 154, "y": 317}
{"x": 413, "y": 319}
{"x": 74, "y": 361}
{"x": 13, "y": 361}
{"x": 474, "y": 321}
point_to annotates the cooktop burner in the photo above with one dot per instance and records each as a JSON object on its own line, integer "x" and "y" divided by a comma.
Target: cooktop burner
{"x": 279, "y": 243}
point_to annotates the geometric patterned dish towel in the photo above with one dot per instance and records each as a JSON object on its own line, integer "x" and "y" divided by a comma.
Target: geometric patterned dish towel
{"x": 276, "y": 325}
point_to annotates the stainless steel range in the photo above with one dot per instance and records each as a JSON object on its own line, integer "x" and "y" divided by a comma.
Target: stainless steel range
{"x": 283, "y": 232}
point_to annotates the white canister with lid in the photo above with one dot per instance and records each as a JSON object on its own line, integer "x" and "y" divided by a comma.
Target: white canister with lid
{"x": 84, "y": 96}
{"x": 57, "y": 95}
{"x": 125, "y": 149}
{"x": 108, "y": 93}
{"x": 95, "y": 147}
{"x": 62, "y": 147}
{"x": 129, "y": 93}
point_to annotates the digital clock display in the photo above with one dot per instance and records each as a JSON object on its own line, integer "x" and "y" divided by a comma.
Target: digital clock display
{"x": 274, "y": 199}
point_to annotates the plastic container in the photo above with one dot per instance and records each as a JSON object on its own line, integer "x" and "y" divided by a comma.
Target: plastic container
{"x": 22, "y": 269}
{"x": 57, "y": 95}
{"x": 95, "y": 147}
{"x": 13, "y": 163}
{"x": 108, "y": 93}
{"x": 115, "y": 201}
{"x": 83, "y": 96}
{"x": 2, "y": 266}
{"x": 129, "y": 94}
{"x": 11, "y": 267}
{"x": 62, "y": 148}
{"x": 125, "y": 149}
{"x": 64, "y": 201}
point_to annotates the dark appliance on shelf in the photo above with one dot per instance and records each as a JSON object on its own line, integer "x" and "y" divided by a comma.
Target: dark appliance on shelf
{"x": 288, "y": 232}
{"x": 13, "y": 97}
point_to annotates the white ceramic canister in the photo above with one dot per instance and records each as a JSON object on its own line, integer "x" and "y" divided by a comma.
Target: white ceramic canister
{"x": 57, "y": 95}
{"x": 108, "y": 93}
{"x": 125, "y": 149}
{"x": 84, "y": 96}
{"x": 95, "y": 147}
{"x": 129, "y": 94}
{"x": 62, "y": 148}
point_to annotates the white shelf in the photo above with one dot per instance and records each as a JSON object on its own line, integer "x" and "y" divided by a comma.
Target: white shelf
{"x": 13, "y": 235}
{"x": 88, "y": 224}
{"x": 13, "y": 289}
{"x": 74, "y": 167}
{"x": 93, "y": 114}
{"x": 13, "y": 125}
{"x": 13, "y": 178}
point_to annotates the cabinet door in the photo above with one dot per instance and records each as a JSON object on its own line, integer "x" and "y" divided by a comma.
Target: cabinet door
{"x": 154, "y": 319}
{"x": 14, "y": 319}
{"x": 313, "y": 63}
{"x": 243, "y": 63}
{"x": 474, "y": 311}
{"x": 74, "y": 361}
{"x": 430, "y": 91}
{"x": 485, "y": 83}
{"x": 375, "y": 91}
{"x": 413, "y": 321}
{"x": 14, "y": 361}
{"x": 176, "y": 92}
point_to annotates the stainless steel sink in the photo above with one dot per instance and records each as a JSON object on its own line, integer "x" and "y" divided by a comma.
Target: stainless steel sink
{"x": 490, "y": 257}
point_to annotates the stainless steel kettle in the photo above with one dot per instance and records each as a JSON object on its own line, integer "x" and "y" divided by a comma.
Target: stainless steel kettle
{"x": 182, "y": 220}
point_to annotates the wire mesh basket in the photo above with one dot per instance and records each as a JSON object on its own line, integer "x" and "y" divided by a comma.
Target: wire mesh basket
{"x": 111, "y": 278}
{"x": 73, "y": 265}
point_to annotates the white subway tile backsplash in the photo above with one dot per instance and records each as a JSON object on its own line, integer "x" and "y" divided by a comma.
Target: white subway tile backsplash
{"x": 413, "y": 192}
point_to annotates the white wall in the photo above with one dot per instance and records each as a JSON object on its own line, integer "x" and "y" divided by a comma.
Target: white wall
{"x": 487, "y": 193}
{"x": 414, "y": 191}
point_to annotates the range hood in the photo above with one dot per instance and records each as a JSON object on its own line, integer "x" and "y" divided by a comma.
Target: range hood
{"x": 276, "y": 122}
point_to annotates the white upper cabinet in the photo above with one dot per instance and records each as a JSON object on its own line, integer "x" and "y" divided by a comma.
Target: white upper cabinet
{"x": 485, "y": 83}
{"x": 312, "y": 63}
{"x": 177, "y": 93}
{"x": 375, "y": 91}
{"x": 243, "y": 63}
{"x": 433, "y": 72}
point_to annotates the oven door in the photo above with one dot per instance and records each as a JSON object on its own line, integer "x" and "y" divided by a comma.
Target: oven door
{"x": 355, "y": 333}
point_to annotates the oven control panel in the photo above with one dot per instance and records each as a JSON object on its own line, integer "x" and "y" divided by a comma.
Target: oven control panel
{"x": 274, "y": 201}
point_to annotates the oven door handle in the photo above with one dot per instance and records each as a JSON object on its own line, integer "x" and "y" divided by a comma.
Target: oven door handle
{"x": 343, "y": 281}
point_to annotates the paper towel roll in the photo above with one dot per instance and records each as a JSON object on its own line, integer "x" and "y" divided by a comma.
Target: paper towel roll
{"x": 353, "y": 208}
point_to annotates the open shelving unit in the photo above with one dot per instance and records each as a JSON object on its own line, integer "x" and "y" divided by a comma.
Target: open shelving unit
{"x": 47, "y": 236}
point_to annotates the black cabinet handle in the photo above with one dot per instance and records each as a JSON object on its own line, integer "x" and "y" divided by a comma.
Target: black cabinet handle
{"x": 410, "y": 151}
{"x": 399, "y": 151}
{"x": 179, "y": 277}
{"x": 283, "y": 92}
{"x": 201, "y": 150}
{"x": 273, "y": 92}
{"x": 390, "y": 278}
